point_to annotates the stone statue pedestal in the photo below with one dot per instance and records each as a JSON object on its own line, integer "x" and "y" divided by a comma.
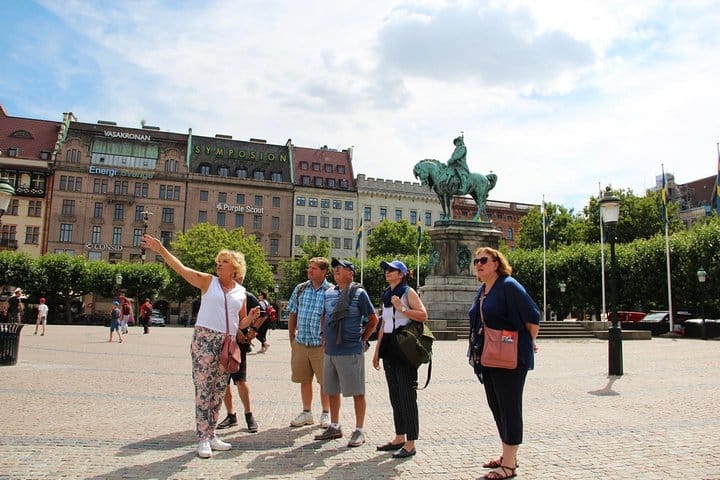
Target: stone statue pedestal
{"x": 451, "y": 286}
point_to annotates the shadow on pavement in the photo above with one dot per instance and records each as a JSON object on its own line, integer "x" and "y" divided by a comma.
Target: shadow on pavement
{"x": 606, "y": 391}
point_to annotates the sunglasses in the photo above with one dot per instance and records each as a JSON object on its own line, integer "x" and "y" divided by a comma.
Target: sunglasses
{"x": 481, "y": 260}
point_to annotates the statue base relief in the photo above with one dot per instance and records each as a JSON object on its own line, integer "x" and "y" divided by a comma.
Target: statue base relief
{"x": 451, "y": 286}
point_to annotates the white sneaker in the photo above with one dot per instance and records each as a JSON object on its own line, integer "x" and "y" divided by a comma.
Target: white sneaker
{"x": 325, "y": 419}
{"x": 305, "y": 418}
{"x": 204, "y": 450}
{"x": 217, "y": 444}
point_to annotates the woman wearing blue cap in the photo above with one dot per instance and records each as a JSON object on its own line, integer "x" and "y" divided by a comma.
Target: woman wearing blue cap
{"x": 401, "y": 304}
{"x": 115, "y": 321}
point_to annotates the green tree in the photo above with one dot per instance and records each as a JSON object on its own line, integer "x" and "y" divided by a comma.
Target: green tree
{"x": 390, "y": 239}
{"x": 198, "y": 247}
{"x": 16, "y": 269}
{"x": 64, "y": 277}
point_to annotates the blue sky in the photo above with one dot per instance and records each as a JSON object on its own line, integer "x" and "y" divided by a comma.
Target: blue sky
{"x": 553, "y": 96}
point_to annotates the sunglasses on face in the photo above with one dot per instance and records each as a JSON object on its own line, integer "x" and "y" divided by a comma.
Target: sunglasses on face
{"x": 481, "y": 260}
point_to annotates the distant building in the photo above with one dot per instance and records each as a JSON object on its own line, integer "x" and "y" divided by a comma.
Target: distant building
{"x": 504, "y": 215}
{"x": 695, "y": 199}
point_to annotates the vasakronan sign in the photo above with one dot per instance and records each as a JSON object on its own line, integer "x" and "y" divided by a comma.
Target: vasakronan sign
{"x": 224, "y": 207}
{"x": 104, "y": 246}
{"x": 127, "y": 135}
{"x": 114, "y": 172}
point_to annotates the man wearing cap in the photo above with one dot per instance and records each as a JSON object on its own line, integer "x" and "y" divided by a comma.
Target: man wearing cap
{"x": 115, "y": 321}
{"x": 345, "y": 336}
{"x": 15, "y": 307}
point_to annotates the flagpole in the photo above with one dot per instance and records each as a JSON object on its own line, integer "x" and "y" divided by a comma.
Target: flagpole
{"x": 603, "y": 315}
{"x": 667, "y": 246}
{"x": 419, "y": 242}
{"x": 717, "y": 185}
{"x": 544, "y": 230}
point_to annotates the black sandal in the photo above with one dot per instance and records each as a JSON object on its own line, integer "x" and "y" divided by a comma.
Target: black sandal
{"x": 501, "y": 473}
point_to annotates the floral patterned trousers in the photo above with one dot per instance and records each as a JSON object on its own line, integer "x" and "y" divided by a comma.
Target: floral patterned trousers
{"x": 209, "y": 378}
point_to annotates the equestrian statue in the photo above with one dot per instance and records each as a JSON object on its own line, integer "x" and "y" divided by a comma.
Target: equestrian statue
{"x": 455, "y": 179}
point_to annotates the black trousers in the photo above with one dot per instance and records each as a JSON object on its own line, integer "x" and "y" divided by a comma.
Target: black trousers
{"x": 504, "y": 391}
{"x": 402, "y": 380}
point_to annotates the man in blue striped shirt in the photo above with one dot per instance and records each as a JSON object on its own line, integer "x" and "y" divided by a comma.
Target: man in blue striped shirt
{"x": 307, "y": 356}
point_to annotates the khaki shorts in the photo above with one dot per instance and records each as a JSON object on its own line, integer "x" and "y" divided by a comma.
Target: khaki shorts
{"x": 306, "y": 362}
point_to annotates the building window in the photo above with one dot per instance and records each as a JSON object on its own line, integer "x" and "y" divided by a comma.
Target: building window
{"x": 316, "y": 167}
{"x": 222, "y": 197}
{"x": 312, "y": 239}
{"x": 328, "y": 168}
{"x": 324, "y": 203}
{"x": 398, "y": 215}
{"x": 114, "y": 257}
{"x": 34, "y": 208}
{"x": 98, "y": 211}
{"x": 336, "y": 243}
{"x": 141, "y": 189}
{"x": 137, "y": 237}
{"x": 239, "y": 220}
{"x": 348, "y": 224}
{"x": 72, "y": 156}
{"x": 303, "y": 165}
{"x": 37, "y": 182}
{"x": 119, "y": 211}
{"x": 168, "y": 215}
{"x": 258, "y": 200}
{"x": 221, "y": 219}
{"x": 337, "y": 204}
{"x": 171, "y": 165}
{"x": 343, "y": 183}
{"x": 347, "y": 243}
{"x": 70, "y": 184}
{"x": 340, "y": 169}
{"x": 32, "y": 235}
{"x": 96, "y": 234}
{"x": 259, "y": 175}
{"x": 121, "y": 187}
{"x": 100, "y": 185}
{"x": 367, "y": 214}
{"x": 312, "y": 221}
{"x": 318, "y": 181}
{"x": 337, "y": 223}
{"x": 305, "y": 180}
{"x": 68, "y": 207}
{"x": 66, "y": 232}
{"x": 204, "y": 169}
{"x": 428, "y": 219}
{"x": 240, "y": 198}
{"x": 349, "y": 205}
{"x": 276, "y": 202}
{"x": 224, "y": 171}
{"x": 13, "y": 207}
{"x": 383, "y": 213}
{"x": 324, "y": 222}
{"x": 202, "y": 216}
{"x": 139, "y": 209}
{"x": 169, "y": 192}
{"x": 312, "y": 202}
{"x": 8, "y": 234}
{"x": 241, "y": 173}
{"x": 165, "y": 239}
{"x": 300, "y": 201}
{"x": 203, "y": 195}
{"x": 257, "y": 222}
{"x": 275, "y": 223}
{"x": 331, "y": 183}
{"x": 413, "y": 217}
{"x": 274, "y": 247}
{"x": 299, "y": 220}
{"x": 509, "y": 235}
{"x": 117, "y": 236}
{"x": 276, "y": 177}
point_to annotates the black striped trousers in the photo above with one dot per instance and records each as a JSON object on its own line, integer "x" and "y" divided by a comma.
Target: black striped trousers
{"x": 402, "y": 381}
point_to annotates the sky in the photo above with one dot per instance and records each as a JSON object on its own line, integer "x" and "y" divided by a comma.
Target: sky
{"x": 554, "y": 97}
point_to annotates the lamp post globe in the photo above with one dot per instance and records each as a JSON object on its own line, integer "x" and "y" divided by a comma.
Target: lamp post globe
{"x": 610, "y": 214}
{"x": 562, "y": 286}
{"x": 7, "y": 191}
{"x": 702, "y": 276}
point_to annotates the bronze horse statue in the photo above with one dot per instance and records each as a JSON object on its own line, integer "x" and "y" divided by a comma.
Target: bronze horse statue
{"x": 435, "y": 175}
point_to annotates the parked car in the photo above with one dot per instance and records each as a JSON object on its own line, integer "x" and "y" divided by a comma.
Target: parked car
{"x": 658, "y": 322}
{"x": 693, "y": 328}
{"x": 282, "y": 320}
{"x": 157, "y": 319}
{"x": 625, "y": 316}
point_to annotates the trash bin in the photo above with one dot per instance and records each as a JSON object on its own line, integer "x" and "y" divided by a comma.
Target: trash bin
{"x": 9, "y": 342}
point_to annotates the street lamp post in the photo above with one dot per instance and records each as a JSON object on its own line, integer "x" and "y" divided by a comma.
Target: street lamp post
{"x": 702, "y": 276}
{"x": 610, "y": 211}
{"x": 562, "y": 294}
{"x": 6, "y": 193}
{"x": 146, "y": 218}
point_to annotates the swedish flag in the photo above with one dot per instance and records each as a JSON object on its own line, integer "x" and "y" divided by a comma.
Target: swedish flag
{"x": 717, "y": 187}
{"x": 663, "y": 197}
{"x": 419, "y": 230}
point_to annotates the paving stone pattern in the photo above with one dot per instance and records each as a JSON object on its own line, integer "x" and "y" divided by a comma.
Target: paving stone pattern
{"x": 78, "y": 407}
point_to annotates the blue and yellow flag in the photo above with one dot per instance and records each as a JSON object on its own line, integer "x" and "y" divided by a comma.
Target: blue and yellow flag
{"x": 419, "y": 230}
{"x": 359, "y": 239}
{"x": 717, "y": 187}
{"x": 663, "y": 198}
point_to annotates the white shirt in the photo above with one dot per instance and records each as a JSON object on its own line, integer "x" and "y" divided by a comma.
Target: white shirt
{"x": 212, "y": 307}
{"x": 42, "y": 310}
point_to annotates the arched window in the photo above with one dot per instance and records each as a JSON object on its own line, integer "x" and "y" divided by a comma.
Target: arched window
{"x": 204, "y": 169}
{"x": 259, "y": 175}
{"x": 223, "y": 171}
{"x": 171, "y": 165}
{"x": 241, "y": 173}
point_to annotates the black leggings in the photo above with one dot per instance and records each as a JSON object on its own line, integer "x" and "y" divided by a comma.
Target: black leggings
{"x": 504, "y": 390}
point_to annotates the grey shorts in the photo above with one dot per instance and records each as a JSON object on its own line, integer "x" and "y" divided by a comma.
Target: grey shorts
{"x": 344, "y": 374}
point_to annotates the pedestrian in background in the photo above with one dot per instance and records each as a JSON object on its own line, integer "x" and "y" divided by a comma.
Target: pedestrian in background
{"x": 15, "y": 307}
{"x": 263, "y": 330}
{"x": 222, "y": 297}
{"x": 41, "y": 317}
{"x": 503, "y": 304}
{"x": 126, "y": 309}
{"x": 401, "y": 305}
{"x": 145, "y": 312}
{"x": 115, "y": 322}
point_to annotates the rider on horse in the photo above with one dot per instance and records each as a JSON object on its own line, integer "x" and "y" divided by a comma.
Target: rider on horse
{"x": 458, "y": 171}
